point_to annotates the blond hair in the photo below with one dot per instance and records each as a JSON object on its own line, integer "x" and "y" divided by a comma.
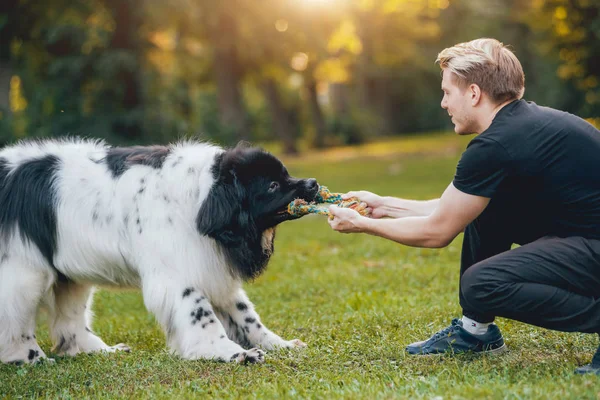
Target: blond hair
{"x": 488, "y": 64}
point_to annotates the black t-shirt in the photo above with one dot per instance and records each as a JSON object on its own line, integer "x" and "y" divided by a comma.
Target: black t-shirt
{"x": 540, "y": 156}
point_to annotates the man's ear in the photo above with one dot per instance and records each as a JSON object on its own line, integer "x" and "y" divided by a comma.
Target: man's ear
{"x": 475, "y": 94}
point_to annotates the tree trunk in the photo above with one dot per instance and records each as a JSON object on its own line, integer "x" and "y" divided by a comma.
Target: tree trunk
{"x": 280, "y": 117}
{"x": 232, "y": 112}
{"x": 316, "y": 114}
{"x": 124, "y": 38}
{"x": 373, "y": 95}
{"x": 8, "y": 9}
{"x": 5, "y": 75}
{"x": 339, "y": 93}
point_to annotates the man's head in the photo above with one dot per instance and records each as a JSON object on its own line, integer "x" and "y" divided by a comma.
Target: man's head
{"x": 478, "y": 77}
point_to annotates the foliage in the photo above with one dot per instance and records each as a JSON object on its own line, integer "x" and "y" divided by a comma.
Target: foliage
{"x": 139, "y": 71}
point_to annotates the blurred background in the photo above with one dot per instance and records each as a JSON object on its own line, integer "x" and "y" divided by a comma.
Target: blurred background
{"x": 299, "y": 73}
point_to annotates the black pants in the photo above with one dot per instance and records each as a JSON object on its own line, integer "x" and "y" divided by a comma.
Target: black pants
{"x": 549, "y": 281}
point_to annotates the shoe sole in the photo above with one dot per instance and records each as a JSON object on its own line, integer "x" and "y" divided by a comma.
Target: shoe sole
{"x": 494, "y": 352}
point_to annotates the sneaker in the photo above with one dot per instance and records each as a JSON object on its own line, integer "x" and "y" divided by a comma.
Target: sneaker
{"x": 455, "y": 339}
{"x": 591, "y": 368}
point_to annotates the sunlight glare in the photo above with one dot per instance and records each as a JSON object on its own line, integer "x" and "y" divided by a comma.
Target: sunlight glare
{"x": 281, "y": 25}
{"x": 318, "y": 3}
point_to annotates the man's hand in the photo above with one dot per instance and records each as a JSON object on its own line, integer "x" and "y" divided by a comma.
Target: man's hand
{"x": 374, "y": 202}
{"x": 345, "y": 220}
{"x": 452, "y": 212}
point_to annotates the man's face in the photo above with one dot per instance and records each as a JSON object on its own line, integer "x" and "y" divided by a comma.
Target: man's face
{"x": 458, "y": 103}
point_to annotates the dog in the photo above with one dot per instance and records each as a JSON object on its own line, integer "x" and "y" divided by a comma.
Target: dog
{"x": 187, "y": 223}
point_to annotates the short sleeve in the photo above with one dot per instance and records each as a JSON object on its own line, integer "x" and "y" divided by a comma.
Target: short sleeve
{"x": 482, "y": 168}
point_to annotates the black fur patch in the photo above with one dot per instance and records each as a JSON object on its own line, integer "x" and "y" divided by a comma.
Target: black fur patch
{"x": 239, "y": 335}
{"x": 200, "y": 313}
{"x": 32, "y": 354}
{"x": 241, "y": 306}
{"x": 28, "y": 201}
{"x": 224, "y": 216}
{"x": 65, "y": 343}
{"x": 240, "y": 205}
{"x": 120, "y": 159}
{"x": 187, "y": 291}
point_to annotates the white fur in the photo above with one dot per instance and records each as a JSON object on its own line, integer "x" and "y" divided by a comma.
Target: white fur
{"x": 100, "y": 242}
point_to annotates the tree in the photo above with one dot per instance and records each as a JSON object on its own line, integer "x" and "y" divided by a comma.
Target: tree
{"x": 571, "y": 29}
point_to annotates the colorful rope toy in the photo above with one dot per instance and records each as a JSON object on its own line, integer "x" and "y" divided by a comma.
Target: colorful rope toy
{"x": 322, "y": 202}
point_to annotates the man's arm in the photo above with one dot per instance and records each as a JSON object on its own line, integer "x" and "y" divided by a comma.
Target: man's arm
{"x": 453, "y": 213}
{"x": 401, "y": 208}
{"x": 393, "y": 207}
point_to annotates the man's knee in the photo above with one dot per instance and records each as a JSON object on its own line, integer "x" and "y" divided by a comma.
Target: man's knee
{"x": 481, "y": 288}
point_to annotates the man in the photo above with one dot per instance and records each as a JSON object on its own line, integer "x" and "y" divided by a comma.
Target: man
{"x": 531, "y": 177}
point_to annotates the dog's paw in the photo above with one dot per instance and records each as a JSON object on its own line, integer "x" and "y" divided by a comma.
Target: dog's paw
{"x": 290, "y": 344}
{"x": 118, "y": 347}
{"x": 253, "y": 356}
{"x": 36, "y": 359}
{"x": 296, "y": 344}
{"x": 45, "y": 361}
{"x": 283, "y": 344}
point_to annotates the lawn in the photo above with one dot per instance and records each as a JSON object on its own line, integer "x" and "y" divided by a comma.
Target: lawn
{"x": 355, "y": 300}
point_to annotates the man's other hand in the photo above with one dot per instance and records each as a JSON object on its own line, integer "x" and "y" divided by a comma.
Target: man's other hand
{"x": 345, "y": 220}
{"x": 374, "y": 202}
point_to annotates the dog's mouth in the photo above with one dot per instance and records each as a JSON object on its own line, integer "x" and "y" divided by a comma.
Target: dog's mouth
{"x": 279, "y": 216}
{"x": 282, "y": 214}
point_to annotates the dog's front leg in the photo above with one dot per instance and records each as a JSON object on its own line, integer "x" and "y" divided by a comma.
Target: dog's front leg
{"x": 193, "y": 331}
{"x": 244, "y": 326}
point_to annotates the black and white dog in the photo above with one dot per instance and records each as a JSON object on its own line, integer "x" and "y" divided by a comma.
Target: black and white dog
{"x": 187, "y": 223}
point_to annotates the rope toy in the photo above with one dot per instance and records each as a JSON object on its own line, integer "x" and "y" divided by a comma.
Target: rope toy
{"x": 322, "y": 202}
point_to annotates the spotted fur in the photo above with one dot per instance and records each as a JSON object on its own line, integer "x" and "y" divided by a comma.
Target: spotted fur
{"x": 186, "y": 223}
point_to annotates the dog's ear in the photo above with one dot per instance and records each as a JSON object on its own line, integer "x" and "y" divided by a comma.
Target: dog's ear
{"x": 222, "y": 214}
{"x": 217, "y": 211}
{"x": 231, "y": 161}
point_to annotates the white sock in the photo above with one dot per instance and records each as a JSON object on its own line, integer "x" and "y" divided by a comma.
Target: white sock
{"x": 474, "y": 327}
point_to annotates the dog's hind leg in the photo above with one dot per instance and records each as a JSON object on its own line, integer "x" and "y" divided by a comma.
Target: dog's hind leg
{"x": 193, "y": 331}
{"x": 22, "y": 288}
{"x": 244, "y": 326}
{"x": 71, "y": 319}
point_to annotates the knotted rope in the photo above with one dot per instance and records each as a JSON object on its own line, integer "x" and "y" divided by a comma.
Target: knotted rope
{"x": 322, "y": 202}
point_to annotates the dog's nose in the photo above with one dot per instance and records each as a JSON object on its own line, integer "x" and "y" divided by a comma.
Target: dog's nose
{"x": 311, "y": 184}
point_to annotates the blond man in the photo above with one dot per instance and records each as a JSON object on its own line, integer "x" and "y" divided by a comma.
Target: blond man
{"x": 532, "y": 177}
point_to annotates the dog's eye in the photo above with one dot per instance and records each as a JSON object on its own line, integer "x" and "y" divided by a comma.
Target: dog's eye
{"x": 273, "y": 186}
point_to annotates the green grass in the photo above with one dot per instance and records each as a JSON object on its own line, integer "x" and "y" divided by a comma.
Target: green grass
{"x": 355, "y": 300}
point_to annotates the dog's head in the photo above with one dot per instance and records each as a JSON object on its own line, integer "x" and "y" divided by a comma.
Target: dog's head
{"x": 251, "y": 192}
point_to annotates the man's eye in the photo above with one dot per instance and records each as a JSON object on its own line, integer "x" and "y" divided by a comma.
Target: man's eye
{"x": 273, "y": 186}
